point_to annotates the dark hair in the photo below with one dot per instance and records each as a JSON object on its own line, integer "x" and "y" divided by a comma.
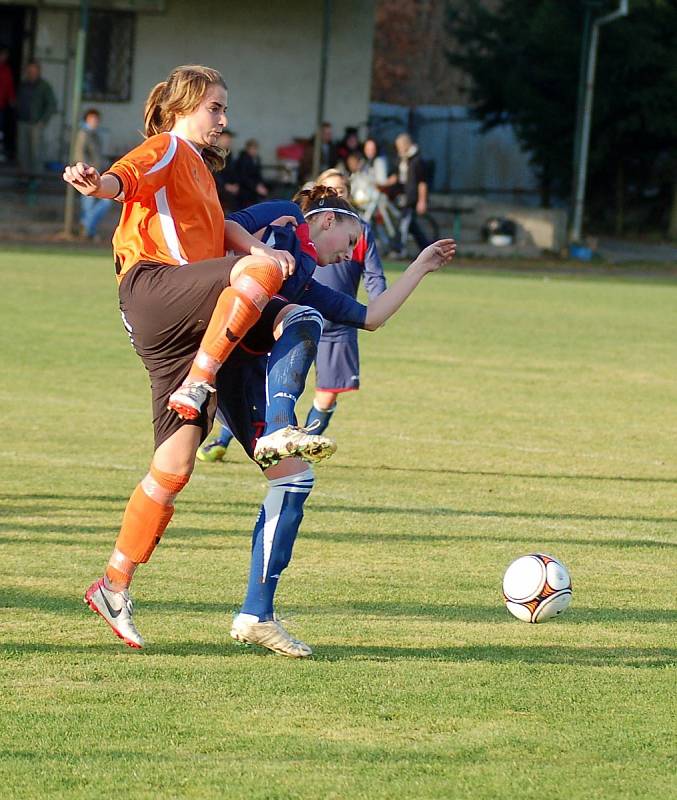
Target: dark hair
{"x": 319, "y": 197}
{"x": 92, "y": 112}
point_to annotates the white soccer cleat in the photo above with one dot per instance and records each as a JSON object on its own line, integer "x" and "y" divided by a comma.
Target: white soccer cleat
{"x": 292, "y": 442}
{"x": 189, "y": 398}
{"x": 116, "y": 608}
{"x": 269, "y": 634}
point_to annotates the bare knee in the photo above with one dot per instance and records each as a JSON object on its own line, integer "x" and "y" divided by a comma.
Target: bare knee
{"x": 324, "y": 400}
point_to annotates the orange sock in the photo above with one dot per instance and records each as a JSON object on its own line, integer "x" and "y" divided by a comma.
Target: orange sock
{"x": 238, "y": 308}
{"x": 146, "y": 517}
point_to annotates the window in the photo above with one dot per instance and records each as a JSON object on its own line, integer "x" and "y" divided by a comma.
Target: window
{"x": 109, "y": 57}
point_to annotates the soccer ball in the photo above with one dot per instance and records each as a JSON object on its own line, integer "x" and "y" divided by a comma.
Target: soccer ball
{"x": 536, "y": 587}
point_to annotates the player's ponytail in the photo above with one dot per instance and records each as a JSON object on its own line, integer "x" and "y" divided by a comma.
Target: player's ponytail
{"x": 153, "y": 119}
{"x": 322, "y": 198}
{"x": 182, "y": 93}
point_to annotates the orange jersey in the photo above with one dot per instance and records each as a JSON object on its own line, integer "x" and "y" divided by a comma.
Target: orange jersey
{"x": 171, "y": 213}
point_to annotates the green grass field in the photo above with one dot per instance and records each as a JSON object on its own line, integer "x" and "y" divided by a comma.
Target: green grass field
{"x": 500, "y": 414}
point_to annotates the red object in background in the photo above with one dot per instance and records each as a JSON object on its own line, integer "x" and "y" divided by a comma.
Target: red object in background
{"x": 290, "y": 152}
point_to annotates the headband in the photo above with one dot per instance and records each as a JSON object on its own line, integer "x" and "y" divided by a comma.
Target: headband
{"x": 335, "y": 210}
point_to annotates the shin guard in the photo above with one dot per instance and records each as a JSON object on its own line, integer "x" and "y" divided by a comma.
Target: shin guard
{"x": 238, "y": 308}
{"x": 148, "y": 512}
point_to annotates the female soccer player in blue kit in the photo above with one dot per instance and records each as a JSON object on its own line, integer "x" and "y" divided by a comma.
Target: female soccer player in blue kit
{"x": 337, "y": 363}
{"x": 337, "y": 367}
{"x": 259, "y": 385}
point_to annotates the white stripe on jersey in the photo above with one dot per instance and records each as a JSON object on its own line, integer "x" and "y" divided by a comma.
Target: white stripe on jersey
{"x": 168, "y": 227}
{"x": 167, "y": 157}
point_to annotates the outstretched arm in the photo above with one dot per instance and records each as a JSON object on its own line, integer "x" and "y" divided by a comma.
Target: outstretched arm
{"x": 431, "y": 259}
{"x": 90, "y": 183}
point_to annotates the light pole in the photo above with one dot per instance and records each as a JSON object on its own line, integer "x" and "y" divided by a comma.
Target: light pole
{"x": 582, "y": 143}
{"x": 69, "y": 210}
{"x": 324, "y": 58}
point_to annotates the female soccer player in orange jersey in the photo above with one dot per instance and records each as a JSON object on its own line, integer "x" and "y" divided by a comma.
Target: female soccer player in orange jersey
{"x": 179, "y": 295}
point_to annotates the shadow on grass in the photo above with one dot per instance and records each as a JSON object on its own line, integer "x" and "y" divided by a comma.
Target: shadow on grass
{"x": 189, "y": 538}
{"x": 494, "y": 613}
{"x": 116, "y": 648}
{"x": 34, "y": 504}
{"x": 452, "y": 513}
{"x": 645, "y": 657}
{"x": 502, "y": 474}
{"x": 641, "y": 657}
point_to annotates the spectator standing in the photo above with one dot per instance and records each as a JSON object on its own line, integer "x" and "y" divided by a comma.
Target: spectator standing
{"x": 227, "y": 185}
{"x": 368, "y": 187}
{"x": 413, "y": 196}
{"x": 7, "y": 99}
{"x": 35, "y": 106}
{"x": 328, "y": 156}
{"x": 89, "y": 148}
{"x": 375, "y": 166}
{"x": 250, "y": 176}
{"x": 348, "y": 146}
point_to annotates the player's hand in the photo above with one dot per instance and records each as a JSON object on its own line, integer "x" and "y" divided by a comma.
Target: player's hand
{"x": 82, "y": 177}
{"x": 282, "y": 257}
{"x": 436, "y": 255}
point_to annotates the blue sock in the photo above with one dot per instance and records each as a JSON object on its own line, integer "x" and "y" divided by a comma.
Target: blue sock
{"x": 225, "y": 436}
{"x": 288, "y": 365}
{"x": 273, "y": 540}
{"x": 323, "y": 416}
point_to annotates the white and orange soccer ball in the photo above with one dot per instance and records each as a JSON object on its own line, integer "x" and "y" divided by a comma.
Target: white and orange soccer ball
{"x": 536, "y": 588}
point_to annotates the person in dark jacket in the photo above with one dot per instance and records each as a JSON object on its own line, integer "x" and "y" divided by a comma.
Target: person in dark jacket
{"x": 226, "y": 180}
{"x": 248, "y": 169}
{"x": 35, "y": 106}
{"x": 413, "y": 197}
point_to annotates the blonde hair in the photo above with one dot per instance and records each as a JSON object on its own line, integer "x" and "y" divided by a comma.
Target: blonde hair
{"x": 328, "y": 174}
{"x": 182, "y": 93}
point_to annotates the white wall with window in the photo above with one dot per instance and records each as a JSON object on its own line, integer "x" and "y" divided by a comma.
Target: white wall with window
{"x": 268, "y": 52}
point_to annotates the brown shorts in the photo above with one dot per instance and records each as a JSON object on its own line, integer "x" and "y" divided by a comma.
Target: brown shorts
{"x": 166, "y": 310}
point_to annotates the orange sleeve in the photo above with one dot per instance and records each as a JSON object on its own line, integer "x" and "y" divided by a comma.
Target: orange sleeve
{"x": 145, "y": 165}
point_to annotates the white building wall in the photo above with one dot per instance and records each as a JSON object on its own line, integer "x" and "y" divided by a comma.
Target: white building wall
{"x": 268, "y": 52}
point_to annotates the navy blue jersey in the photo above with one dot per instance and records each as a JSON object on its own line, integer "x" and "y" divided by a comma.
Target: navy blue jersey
{"x": 335, "y": 306}
{"x": 345, "y": 277}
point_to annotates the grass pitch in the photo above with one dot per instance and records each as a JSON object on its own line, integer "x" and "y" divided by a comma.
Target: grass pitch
{"x": 499, "y": 415}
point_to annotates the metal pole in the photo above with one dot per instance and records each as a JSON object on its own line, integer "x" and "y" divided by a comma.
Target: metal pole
{"x": 583, "y": 71}
{"x": 579, "y": 201}
{"x": 324, "y": 58}
{"x": 81, "y": 42}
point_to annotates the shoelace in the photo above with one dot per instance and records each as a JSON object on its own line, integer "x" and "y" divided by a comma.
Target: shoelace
{"x": 313, "y": 426}
{"x": 193, "y": 389}
{"x": 129, "y": 603}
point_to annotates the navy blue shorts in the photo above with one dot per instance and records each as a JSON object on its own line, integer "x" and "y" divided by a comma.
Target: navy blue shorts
{"x": 241, "y": 381}
{"x": 337, "y": 367}
{"x": 241, "y": 397}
